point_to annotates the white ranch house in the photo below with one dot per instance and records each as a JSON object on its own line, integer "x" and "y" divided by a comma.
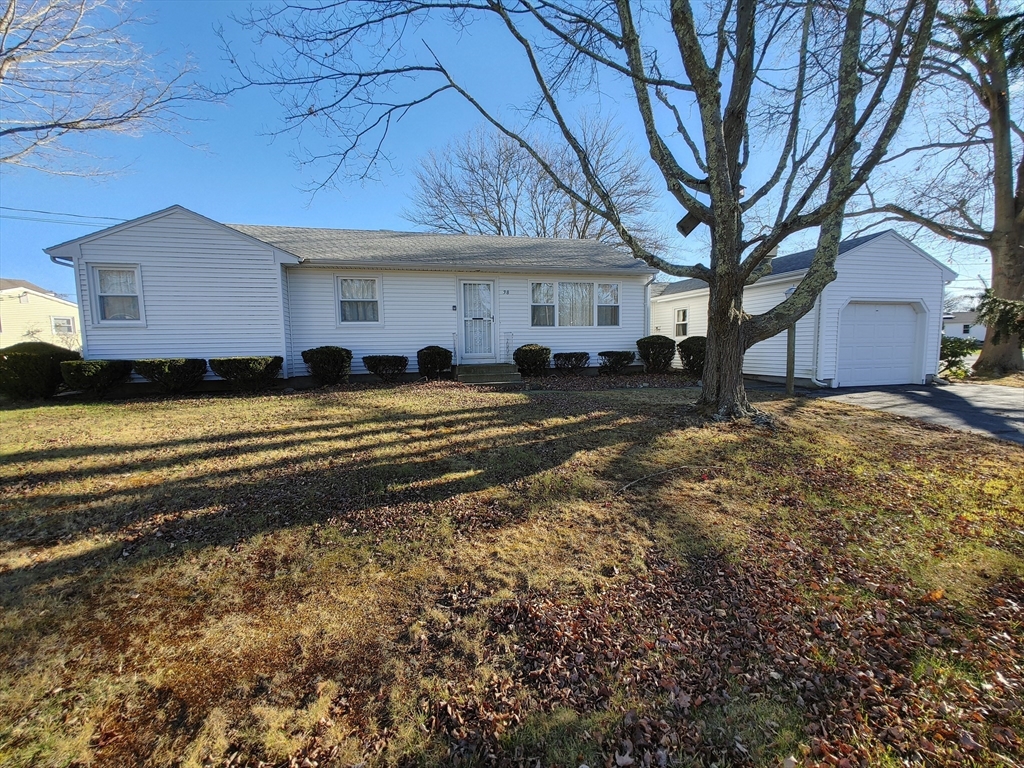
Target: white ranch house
{"x": 177, "y": 284}
{"x": 879, "y": 322}
{"x": 963, "y": 325}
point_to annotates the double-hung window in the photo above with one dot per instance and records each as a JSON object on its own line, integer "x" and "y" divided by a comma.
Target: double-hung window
{"x": 573, "y": 304}
{"x": 681, "y": 322}
{"x": 607, "y": 303}
{"x": 118, "y": 294}
{"x": 542, "y": 305}
{"x": 359, "y": 300}
{"x": 62, "y": 326}
{"x": 967, "y": 329}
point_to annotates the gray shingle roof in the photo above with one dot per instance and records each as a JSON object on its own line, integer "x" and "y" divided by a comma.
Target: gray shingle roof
{"x": 792, "y": 262}
{"x": 432, "y": 251}
{"x": 7, "y": 283}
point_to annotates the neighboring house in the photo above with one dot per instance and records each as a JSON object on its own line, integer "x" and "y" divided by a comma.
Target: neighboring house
{"x": 177, "y": 284}
{"x": 963, "y": 325}
{"x": 31, "y": 313}
{"x": 879, "y": 322}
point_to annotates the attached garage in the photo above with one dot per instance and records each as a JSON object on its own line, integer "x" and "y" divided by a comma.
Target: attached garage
{"x": 879, "y": 323}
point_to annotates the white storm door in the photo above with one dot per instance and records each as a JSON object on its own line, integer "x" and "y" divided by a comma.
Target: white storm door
{"x": 478, "y": 320}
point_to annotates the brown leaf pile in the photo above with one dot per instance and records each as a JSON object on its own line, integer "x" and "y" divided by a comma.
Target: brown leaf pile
{"x": 683, "y": 640}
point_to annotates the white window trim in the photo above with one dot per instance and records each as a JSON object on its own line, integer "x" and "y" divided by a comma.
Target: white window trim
{"x": 94, "y": 299}
{"x": 676, "y": 323}
{"x": 53, "y": 324}
{"x": 557, "y": 283}
{"x": 379, "y": 280}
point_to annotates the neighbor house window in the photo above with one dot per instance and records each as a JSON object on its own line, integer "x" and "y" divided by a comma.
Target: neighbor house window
{"x": 62, "y": 325}
{"x": 575, "y": 304}
{"x": 607, "y": 303}
{"x": 360, "y": 300}
{"x": 967, "y": 330}
{"x": 542, "y": 304}
{"x": 117, "y": 294}
{"x": 681, "y": 321}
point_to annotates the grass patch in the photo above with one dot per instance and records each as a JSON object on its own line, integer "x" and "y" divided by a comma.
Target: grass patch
{"x": 429, "y": 574}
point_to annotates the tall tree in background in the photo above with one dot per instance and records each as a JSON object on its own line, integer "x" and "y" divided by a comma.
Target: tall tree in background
{"x": 965, "y": 180}
{"x": 762, "y": 117}
{"x": 485, "y": 183}
{"x": 69, "y": 67}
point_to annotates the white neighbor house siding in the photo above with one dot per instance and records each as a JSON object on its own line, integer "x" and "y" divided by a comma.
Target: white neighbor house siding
{"x": 416, "y": 311}
{"x": 886, "y": 269}
{"x": 206, "y": 292}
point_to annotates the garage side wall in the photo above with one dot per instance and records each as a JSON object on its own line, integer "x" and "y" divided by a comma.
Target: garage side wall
{"x": 885, "y": 269}
{"x": 768, "y": 357}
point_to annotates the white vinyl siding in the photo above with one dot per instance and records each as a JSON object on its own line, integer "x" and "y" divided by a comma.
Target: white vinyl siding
{"x": 205, "y": 291}
{"x": 886, "y": 270}
{"x": 415, "y": 311}
{"x": 424, "y": 308}
{"x": 515, "y": 314}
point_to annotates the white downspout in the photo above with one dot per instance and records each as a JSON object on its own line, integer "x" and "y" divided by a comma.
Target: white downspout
{"x": 647, "y": 305}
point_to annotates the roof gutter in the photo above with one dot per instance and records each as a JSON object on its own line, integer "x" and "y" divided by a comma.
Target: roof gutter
{"x": 405, "y": 266}
{"x": 64, "y": 261}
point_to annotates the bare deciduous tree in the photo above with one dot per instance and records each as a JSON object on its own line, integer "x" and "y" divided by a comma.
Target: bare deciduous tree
{"x": 762, "y": 118}
{"x": 69, "y": 67}
{"x": 964, "y": 180}
{"x": 486, "y": 183}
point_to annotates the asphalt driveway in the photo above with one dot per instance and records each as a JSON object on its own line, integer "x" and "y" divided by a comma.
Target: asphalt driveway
{"x": 988, "y": 409}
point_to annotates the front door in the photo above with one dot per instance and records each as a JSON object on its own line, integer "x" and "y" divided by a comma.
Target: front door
{"x": 478, "y": 321}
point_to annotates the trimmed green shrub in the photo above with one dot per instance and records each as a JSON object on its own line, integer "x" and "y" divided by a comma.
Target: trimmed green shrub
{"x": 329, "y": 365}
{"x": 656, "y": 352}
{"x": 386, "y": 367}
{"x": 693, "y": 351}
{"x": 571, "y": 362}
{"x": 31, "y": 369}
{"x": 95, "y": 377}
{"x": 432, "y": 361}
{"x": 952, "y": 351}
{"x": 172, "y": 374}
{"x": 616, "y": 361}
{"x": 532, "y": 359}
{"x": 247, "y": 374}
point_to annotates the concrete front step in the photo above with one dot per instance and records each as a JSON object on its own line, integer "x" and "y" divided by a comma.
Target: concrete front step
{"x": 488, "y": 374}
{"x": 483, "y": 378}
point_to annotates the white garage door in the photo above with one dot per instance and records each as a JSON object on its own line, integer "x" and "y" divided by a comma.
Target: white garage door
{"x": 878, "y": 345}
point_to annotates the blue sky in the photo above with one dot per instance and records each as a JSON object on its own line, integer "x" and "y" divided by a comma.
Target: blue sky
{"x": 227, "y": 167}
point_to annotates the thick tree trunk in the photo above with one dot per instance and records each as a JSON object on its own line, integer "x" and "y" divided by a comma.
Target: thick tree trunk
{"x": 1007, "y": 283}
{"x": 1006, "y": 242}
{"x": 723, "y": 396}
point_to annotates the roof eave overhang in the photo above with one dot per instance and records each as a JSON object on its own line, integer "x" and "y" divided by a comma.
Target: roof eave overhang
{"x": 782, "y": 277}
{"x": 496, "y": 269}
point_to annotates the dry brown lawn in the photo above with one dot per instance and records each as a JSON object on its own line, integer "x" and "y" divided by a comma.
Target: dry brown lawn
{"x": 437, "y": 575}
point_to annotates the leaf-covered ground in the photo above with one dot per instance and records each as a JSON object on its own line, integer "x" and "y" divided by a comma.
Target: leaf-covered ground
{"x": 435, "y": 575}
